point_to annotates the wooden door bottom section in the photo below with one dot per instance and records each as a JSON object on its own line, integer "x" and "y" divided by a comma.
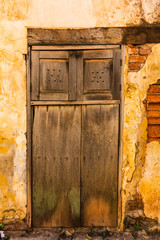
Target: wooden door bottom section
{"x": 75, "y": 165}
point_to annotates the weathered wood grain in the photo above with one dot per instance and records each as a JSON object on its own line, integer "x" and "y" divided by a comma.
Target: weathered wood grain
{"x": 79, "y": 75}
{"x": 35, "y": 75}
{"x": 74, "y": 47}
{"x": 53, "y": 79}
{"x": 54, "y": 54}
{"x": 72, "y": 88}
{"x": 67, "y": 103}
{"x": 116, "y": 81}
{"x": 87, "y": 36}
{"x": 96, "y": 54}
{"x": 56, "y": 166}
{"x": 29, "y": 142}
{"x": 97, "y": 68}
{"x": 75, "y": 138}
{"x": 99, "y": 165}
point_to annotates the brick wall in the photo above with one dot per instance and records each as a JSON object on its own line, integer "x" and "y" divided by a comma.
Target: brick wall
{"x": 138, "y": 56}
{"x": 137, "y": 59}
{"x": 153, "y": 112}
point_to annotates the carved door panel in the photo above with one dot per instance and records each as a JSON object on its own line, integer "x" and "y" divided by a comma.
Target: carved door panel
{"x": 75, "y": 108}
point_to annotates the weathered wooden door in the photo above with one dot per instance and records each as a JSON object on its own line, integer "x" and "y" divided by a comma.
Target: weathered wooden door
{"x": 75, "y": 109}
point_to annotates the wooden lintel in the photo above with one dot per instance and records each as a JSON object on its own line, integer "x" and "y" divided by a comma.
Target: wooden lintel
{"x": 92, "y": 36}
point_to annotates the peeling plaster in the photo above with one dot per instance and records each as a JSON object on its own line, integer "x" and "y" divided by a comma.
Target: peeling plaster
{"x": 15, "y": 16}
{"x": 150, "y": 183}
{"x": 138, "y": 175}
{"x": 12, "y": 135}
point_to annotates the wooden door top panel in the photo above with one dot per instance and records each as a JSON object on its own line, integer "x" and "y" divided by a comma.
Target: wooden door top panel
{"x": 76, "y": 75}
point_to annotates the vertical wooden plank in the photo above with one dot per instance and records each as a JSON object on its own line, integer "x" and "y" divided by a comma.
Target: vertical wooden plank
{"x": 35, "y": 75}
{"x": 79, "y": 75}
{"x": 72, "y": 75}
{"x": 116, "y": 74}
{"x": 121, "y": 121}
{"x": 99, "y": 165}
{"x": 28, "y": 165}
{"x": 56, "y": 166}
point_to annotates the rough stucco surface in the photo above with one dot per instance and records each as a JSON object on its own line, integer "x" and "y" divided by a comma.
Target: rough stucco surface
{"x": 80, "y": 13}
{"x": 140, "y": 160}
{"x": 15, "y": 16}
{"x": 92, "y": 13}
{"x": 150, "y": 183}
{"x": 12, "y": 138}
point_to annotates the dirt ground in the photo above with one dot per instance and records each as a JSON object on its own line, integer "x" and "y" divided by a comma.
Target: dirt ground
{"x": 80, "y": 234}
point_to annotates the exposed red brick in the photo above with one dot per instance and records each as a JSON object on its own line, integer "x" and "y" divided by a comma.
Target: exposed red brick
{"x": 133, "y": 66}
{"x": 153, "y": 139}
{"x": 130, "y": 45}
{"x": 132, "y": 50}
{"x": 153, "y": 106}
{"x": 154, "y": 89}
{"x": 137, "y": 59}
{"x": 152, "y": 121}
{"x": 155, "y": 113}
{"x": 154, "y": 131}
{"x": 144, "y": 51}
{"x": 153, "y": 98}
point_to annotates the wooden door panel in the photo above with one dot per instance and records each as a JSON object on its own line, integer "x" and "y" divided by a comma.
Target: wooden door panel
{"x": 99, "y": 165}
{"x": 35, "y": 75}
{"x": 49, "y": 75}
{"x": 56, "y": 166}
{"x": 72, "y": 95}
{"x": 97, "y": 74}
{"x": 53, "y": 79}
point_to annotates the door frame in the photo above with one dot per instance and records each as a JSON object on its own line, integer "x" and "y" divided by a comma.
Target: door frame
{"x": 88, "y": 45}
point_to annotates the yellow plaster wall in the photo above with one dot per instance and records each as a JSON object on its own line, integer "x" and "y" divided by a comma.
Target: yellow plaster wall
{"x": 12, "y": 135}
{"x": 141, "y": 161}
{"x": 15, "y": 17}
{"x": 150, "y": 183}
